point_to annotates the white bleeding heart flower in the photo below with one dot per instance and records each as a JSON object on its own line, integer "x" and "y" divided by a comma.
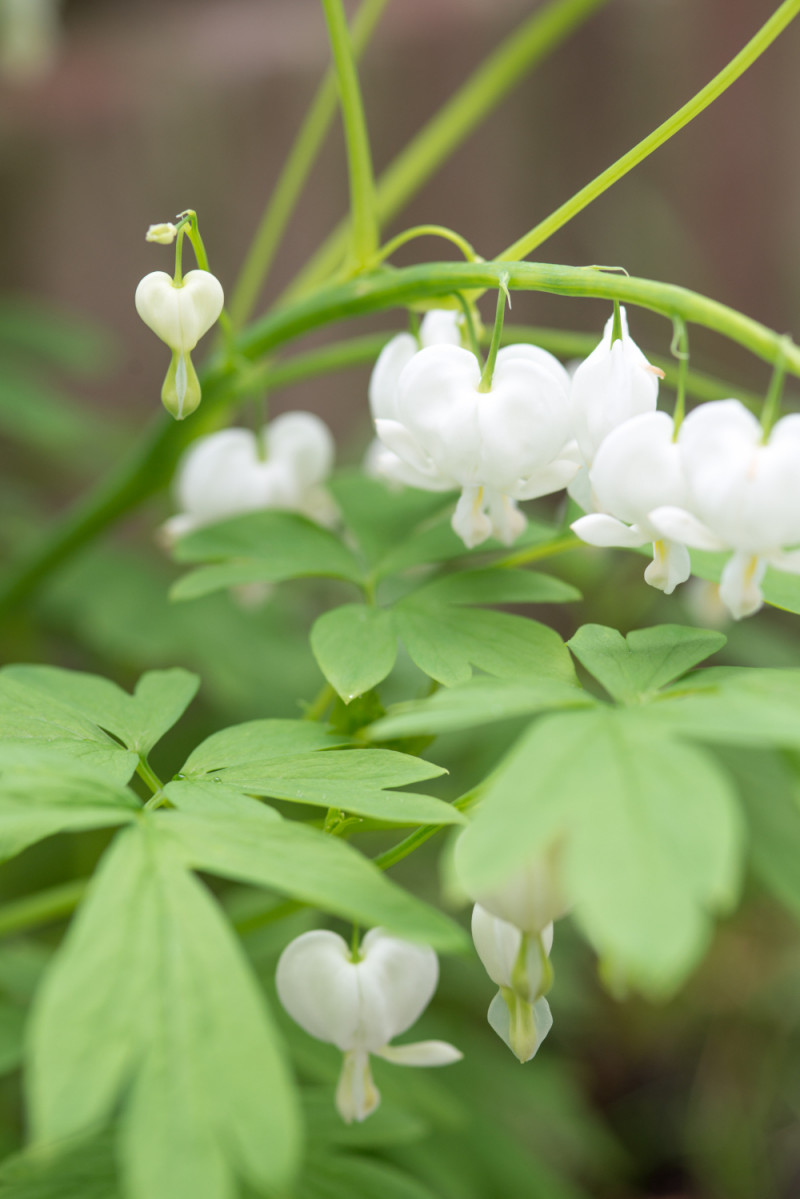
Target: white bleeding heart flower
{"x": 498, "y": 446}
{"x": 742, "y": 494}
{"x": 637, "y": 469}
{"x": 615, "y": 383}
{"x": 180, "y": 313}
{"x": 440, "y": 326}
{"x": 235, "y": 471}
{"x": 518, "y": 963}
{"x": 359, "y": 1003}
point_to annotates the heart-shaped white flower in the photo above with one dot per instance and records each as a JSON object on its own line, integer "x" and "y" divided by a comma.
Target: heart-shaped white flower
{"x": 234, "y": 471}
{"x": 179, "y": 313}
{"x": 358, "y": 1003}
{"x": 518, "y": 963}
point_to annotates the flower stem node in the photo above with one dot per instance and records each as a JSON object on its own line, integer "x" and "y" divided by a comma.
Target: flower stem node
{"x": 358, "y": 1001}
{"x": 180, "y": 313}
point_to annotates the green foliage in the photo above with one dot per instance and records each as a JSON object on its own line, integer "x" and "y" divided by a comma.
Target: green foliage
{"x": 355, "y": 647}
{"x": 151, "y": 1004}
{"x": 633, "y": 668}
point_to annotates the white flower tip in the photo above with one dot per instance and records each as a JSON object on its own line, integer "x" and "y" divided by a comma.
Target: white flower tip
{"x": 356, "y": 1094}
{"x": 164, "y": 233}
{"x": 421, "y": 1053}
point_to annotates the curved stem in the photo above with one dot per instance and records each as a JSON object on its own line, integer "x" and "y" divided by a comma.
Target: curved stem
{"x": 363, "y": 210}
{"x": 728, "y": 75}
{"x": 426, "y": 231}
{"x": 295, "y": 172}
{"x": 521, "y": 52}
{"x": 151, "y": 462}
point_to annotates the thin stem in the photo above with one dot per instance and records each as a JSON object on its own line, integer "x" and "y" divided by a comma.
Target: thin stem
{"x": 149, "y": 776}
{"x": 295, "y": 172}
{"x": 514, "y": 58}
{"x": 320, "y": 704}
{"x": 485, "y": 384}
{"x": 616, "y": 328}
{"x": 538, "y": 553}
{"x": 177, "y": 277}
{"x": 728, "y": 75}
{"x": 469, "y": 324}
{"x": 680, "y": 349}
{"x": 45, "y": 907}
{"x": 364, "y": 236}
{"x": 772, "y": 404}
{"x": 426, "y": 231}
{"x": 391, "y": 857}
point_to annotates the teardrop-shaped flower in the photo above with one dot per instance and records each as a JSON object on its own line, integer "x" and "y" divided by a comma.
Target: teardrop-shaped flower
{"x": 518, "y": 963}
{"x": 613, "y": 384}
{"x": 359, "y": 1003}
{"x": 531, "y": 898}
{"x": 742, "y": 494}
{"x": 233, "y": 471}
{"x": 636, "y": 470}
{"x": 498, "y": 447}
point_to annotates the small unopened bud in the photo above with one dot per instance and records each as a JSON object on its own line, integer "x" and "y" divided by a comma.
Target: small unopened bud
{"x": 164, "y": 234}
{"x": 180, "y": 394}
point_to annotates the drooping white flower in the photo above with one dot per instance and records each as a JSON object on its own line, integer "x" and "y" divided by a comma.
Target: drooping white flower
{"x": 741, "y": 494}
{"x": 518, "y": 963}
{"x": 180, "y": 313}
{"x": 359, "y": 1003}
{"x": 440, "y": 326}
{"x": 636, "y": 470}
{"x": 498, "y": 447}
{"x": 615, "y": 383}
{"x": 235, "y": 471}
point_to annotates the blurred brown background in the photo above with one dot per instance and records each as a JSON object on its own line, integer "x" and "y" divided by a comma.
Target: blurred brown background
{"x": 149, "y": 107}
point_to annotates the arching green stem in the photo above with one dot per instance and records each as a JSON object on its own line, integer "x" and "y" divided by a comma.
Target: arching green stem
{"x": 503, "y": 298}
{"x": 363, "y": 209}
{"x": 295, "y": 172}
{"x": 772, "y": 404}
{"x": 728, "y": 75}
{"x": 426, "y": 231}
{"x": 680, "y": 349}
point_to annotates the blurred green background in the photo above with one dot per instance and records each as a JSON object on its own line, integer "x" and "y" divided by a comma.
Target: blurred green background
{"x": 143, "y": 108}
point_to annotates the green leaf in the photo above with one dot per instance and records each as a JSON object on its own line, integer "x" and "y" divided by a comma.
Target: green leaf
{"x": 380, "y": 517}
{"x": 437, "y": 542}
{"x": 474, "y": 704}
{"x": 770, "y": 788}
{"x": 633, "y": 668}
{"x": 151, "y": 1005}
{"x": 210, "y": 796}
{"x": 86, "y": 1169}
{"x": 284, "y": 545}
{"x": 29, "y": 716}
{"x": 446, "y": 642}
{"x": 12, "y": 1020}
{"x": 347, "y": 1176}
{"x": 258, "y": 741}
{"x": 733, "y": 706}
{"x": 306, "y": 864}
{"x": 355, "y": 646}
{"x": 498, "y": 586}
{"x": 139, "y": 721}
{"x": 650, "y": 829}
{"x": 44, "y": 791}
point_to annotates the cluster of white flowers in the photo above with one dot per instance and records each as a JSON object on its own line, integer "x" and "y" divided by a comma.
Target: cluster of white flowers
{"x": 358, "y": 1001}
{"x": 718, "y": 485}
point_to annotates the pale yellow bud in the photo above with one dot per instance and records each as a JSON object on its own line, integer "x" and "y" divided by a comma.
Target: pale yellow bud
{"x": 164, "y": 234}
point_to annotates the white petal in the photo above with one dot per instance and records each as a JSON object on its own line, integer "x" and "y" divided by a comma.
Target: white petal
{"x": 676, "y": 524}
{"x": 545, "y": 481}
{"x": 523, "y": 1027}
{"x": 422, "y": 1053}
{"x": 638, "y": 468}
{"x": 318, "y": 984}
{"x": 179, "y": 315}
{"x": 671, "y": 565}
{"x": 396, "y": 354}
{"x": 305, "y": 444}
{"x": 437, "y": 402}
{"x": 523, "y": 420}
{"x": 498, "y": 944}
{"x": 469, "y": 520}
{"x": 506, "y": 519}
{"x": 598, "y": 529}
{"x": 356, "y": 1094}
{"x": 740, "y": 584}
{"x": 415, "y": 467}
{"x": 441, "y": 326}
{"x": 532, "y": 897}
{"x": 612, "y": 385}
{"x": 787, "y": 561}
{"x": 221, "y": 475}
{"x": 397, "y": 980}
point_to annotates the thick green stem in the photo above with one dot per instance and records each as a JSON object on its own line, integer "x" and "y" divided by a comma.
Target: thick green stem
{"x": 364, "y": 237}
{"x": 520, "y": 53}
{"x": 295, "y": 172}
{"x": 728, "y": 75}
{"x": 150, "y": 464}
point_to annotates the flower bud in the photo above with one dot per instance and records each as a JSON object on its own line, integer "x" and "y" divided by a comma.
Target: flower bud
{"x": 180, "y": 393}
{"x": 164, "y": 234}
